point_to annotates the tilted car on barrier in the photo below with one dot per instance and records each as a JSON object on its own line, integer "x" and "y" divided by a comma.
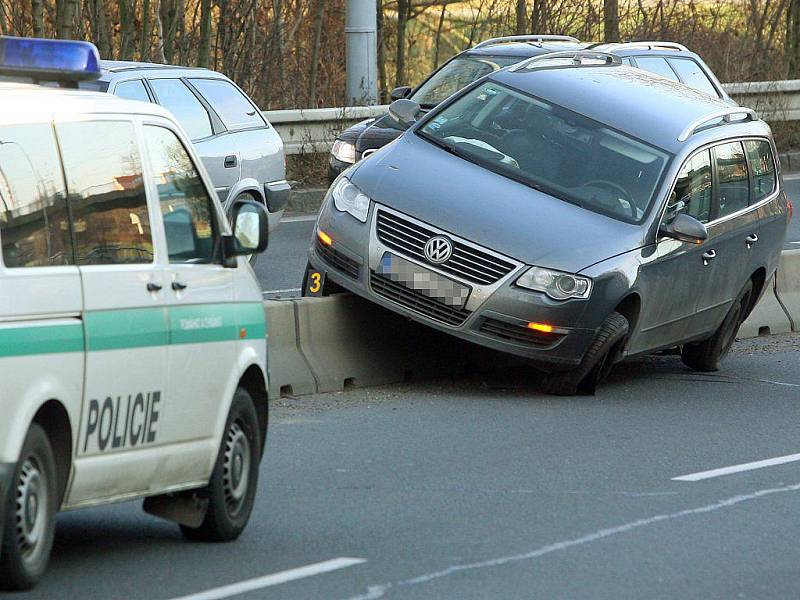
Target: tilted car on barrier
{"x": 569, "y": 209}
{"x": 132, "y": 333}
{"x": 668, "y": 59}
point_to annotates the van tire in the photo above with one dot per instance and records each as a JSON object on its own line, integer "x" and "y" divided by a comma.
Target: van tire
{"x": 604, "y": 351}
{"x": 229, "y": 502}
{"x": 707, "y": 355}
{"x": 26, "y": 545}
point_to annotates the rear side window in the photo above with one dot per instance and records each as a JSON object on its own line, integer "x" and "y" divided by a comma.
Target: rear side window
{"x": 106, "y": 192}
{"x": 34, "y": 224}
{"x": 657, "y": 65}
{"x": 187, "y": 209}
{"x": 762, "y": 166}
{"x": 235, "y": 110}
{"x": 173, "y": 95}
{"x": 692, "y": 193}
{"x": 693, "y": 76}
{"x": 132, "y": 90}
{"x": 733, "y": 181}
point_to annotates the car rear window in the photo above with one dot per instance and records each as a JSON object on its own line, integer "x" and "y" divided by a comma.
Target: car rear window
{"x": 762, "y": 165}
{"x": 693, "y": 76}
{"x": 233, "y": 107}
{"x": 173, "y": 95}
{"x": 551, "y": 149}
{"x": 132, "y": 90}
{"x": 733, "y": 180}
{"x": 657, "y": 65}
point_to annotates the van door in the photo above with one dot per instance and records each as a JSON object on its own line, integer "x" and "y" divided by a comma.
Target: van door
{"x": 124, "y": 319}
{"x": 200, "y": 294}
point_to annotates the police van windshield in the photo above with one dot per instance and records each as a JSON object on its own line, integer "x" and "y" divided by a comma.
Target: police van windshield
{"x": 458, "y": 74}
{"x": 551, "y": 149}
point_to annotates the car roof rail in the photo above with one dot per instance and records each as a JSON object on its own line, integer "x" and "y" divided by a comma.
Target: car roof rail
{"x": 534, "y": 38}
{"x": 577, "y": 57}
{"x": 644, "y": 44}
{"x": 726, "y": 114}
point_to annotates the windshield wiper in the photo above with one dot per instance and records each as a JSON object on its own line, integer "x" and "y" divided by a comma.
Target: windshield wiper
{"x": 451, "y": 148}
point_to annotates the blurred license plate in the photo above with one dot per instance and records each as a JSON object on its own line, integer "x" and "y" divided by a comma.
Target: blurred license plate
{"x": 423, "y": 281}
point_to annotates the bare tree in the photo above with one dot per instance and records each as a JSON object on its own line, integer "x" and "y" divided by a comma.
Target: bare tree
{"x": 521, "y": 21}
{"x": 205, "y": 33}
{"x": 611, "y": 20}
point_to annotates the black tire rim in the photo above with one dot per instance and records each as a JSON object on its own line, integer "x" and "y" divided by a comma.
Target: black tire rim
{"x": 236, "y": 468}
{"x": 32, "y": 506}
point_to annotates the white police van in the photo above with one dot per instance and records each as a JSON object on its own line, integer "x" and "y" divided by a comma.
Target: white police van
{"x": 132, "y": 333}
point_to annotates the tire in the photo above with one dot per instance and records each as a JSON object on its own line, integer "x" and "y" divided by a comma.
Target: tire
{"x": 706, "y": 356}
{"x": 30, "y": 518}
{"x": 231, "y": 490}
{"x": 596, "y": 364}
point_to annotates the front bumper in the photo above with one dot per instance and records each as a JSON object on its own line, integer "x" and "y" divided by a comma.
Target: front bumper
{"x": 496, "y": 314}
{"x": 6, "y": 483}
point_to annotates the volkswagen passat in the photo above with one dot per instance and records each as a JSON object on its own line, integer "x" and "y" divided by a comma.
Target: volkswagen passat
{"x": 609, "y": 213}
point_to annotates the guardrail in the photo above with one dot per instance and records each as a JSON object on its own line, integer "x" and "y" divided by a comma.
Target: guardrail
{"x": 312, "y": 130}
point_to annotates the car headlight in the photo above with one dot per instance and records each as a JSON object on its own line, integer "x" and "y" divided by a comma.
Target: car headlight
{"x": 348, "y": 198}
{"x": 557, "y": 285}
{"x": 344, "y": 151}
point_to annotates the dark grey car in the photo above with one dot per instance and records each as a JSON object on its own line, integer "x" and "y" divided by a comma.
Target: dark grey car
{"x": 609, "y": 213}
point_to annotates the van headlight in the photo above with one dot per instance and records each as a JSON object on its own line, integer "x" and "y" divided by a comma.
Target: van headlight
{"x": 557, "y": 285}
{"x": 344, "y": 151}
{"x": 348, "y": 198}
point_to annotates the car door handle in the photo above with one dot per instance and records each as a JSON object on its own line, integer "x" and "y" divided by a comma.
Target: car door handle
{"x": 178, "y": 286}
{"x": 709, "y": 256}
{"x": 153, "y": 287}
{"x": 230, "y": 161}
{"x": 751, "y": 239}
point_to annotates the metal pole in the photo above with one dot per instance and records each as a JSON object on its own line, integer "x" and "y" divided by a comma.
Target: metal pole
{"x": 362, "y": 52}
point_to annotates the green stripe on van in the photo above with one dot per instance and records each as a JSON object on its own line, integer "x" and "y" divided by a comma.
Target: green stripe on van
{"x": 41, "y": 339}
{"x": 250, "y": 317}
{"x": 131, "y": 328}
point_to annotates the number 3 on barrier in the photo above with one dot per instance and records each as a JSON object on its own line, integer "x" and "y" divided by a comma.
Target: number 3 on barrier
{"x": 315, "y": 283}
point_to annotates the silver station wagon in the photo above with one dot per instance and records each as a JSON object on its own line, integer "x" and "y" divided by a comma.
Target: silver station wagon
{"x": 569, "y": 209}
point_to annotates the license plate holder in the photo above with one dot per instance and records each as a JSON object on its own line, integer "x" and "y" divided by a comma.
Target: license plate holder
{"x": 423, "y": 281}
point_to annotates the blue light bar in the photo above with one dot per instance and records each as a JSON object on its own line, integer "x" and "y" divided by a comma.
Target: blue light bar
{"x": 49, "y": 60}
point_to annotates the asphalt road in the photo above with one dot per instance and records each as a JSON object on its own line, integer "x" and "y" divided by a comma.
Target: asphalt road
{"x": 482, "y": 488}
{"x": 280, "y": 269}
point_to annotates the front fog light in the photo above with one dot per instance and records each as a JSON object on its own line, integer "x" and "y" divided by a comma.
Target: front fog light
{"x": 557, "y": 285}
{"x": 344, "y": 152}
{"x": 348, "y": 198}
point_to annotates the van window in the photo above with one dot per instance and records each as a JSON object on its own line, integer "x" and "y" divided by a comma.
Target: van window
{"x": 693, "y": 76}
{"x": 106, "y": 191}
{"x": 231, "y": 105}
{"x": 132, "y": 90}
{"x": 692, "y": 194}
{"x": 173, "y": 95}
{"x": 733, "y": 182}
{"x": 34, "y": 224}
{"x": 657, "y": 65}
{"x": 762, "y": 166}
{"x": 187, "y": 208}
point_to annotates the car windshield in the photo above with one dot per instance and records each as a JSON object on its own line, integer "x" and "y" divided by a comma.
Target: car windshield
{"x": 551, "y": 149}
{"x": 458, "y": 74}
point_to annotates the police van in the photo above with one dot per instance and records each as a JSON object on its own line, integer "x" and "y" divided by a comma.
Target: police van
{"x": 132, "y": 332}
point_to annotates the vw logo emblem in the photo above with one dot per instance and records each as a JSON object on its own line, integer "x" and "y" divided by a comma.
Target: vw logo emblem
{"x": 438, "y": 249}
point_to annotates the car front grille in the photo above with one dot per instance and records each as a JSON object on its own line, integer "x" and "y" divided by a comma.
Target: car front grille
{"x": 416, "y": 301}
{"x": 466, "y": 262}
{"x": 337, "y": 260}
{"x": 519, "y": 334}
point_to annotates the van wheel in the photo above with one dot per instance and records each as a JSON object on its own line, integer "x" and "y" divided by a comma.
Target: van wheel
{"x": 231, "y": 491}
{"x": 605, "y": 350}
{"x": 707, "y": 355}
{"x": 30, "y": 518}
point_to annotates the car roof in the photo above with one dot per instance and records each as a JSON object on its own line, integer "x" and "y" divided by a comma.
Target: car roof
{"x": 25, "y": 103}
{"x": 522, "y": 49}
{"x": 112, "y": 68}
{"x": 647, "y": 106}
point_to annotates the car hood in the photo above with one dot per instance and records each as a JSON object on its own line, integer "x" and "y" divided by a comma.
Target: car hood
{"x": 417, "y": 178}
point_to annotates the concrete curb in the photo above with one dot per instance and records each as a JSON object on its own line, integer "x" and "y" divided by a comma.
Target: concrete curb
{"x": 289, "y": 372}
{"x": 768, "y": 317}
{"x": 306, "y": 200}
{"x": 788, "y": 289}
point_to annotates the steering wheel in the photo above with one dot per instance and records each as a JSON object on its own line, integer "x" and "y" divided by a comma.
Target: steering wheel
{"x": 617, "y": 188}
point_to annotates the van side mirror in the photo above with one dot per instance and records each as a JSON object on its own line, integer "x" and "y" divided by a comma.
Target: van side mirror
{"x": 250, "y": 230}
{"x": 685, "y": 229}
{"x": 398, "y": 93}
{"x": 404, "y": 112}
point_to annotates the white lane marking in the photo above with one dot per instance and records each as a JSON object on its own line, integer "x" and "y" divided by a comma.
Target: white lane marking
{"x": 759, "y": 464}
{"x": 258, "y": 583}
{"x": 287, "y": 291}
{"x": 783, "y": 383}
{"x": 379, "y": 591}
{"x": 299, "y": 219}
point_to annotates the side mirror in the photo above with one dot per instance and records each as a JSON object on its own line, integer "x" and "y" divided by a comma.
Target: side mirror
{"x": 404, "y": 112}
{"x": 685, "y": 229}
{"x": 398, "y": 93}
{"x": 250, "y": 229}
